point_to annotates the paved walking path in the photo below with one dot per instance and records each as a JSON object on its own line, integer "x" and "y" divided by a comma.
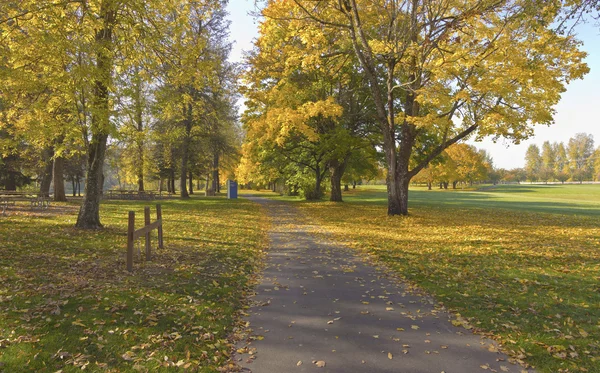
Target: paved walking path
{"x": 318, "y": 303}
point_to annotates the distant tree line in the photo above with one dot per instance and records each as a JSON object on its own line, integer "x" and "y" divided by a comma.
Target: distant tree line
{"x": 577, "y": 161}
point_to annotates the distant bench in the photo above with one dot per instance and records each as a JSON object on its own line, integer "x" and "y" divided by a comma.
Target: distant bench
{"x": 135, "y": 195}
{"x": 36, "y": 200}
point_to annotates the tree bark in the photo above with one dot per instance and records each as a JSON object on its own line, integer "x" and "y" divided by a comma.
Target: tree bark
{"x": 191, "y": 183}
{"x": 172, "y": 181}
{"x": 47, "y": 155}
{"x": 59, "y": 180}
{"x": 337, "y": 171}
{"x": 89, "y": 213}
{"x": 185, "y": 148}
{"x": 215, "y": 173}
{"x": 139, "y": 118}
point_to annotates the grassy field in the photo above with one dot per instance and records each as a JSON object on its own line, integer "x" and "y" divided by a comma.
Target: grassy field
{"x": 520, "y": 263}
{"x": 67, "y": 303}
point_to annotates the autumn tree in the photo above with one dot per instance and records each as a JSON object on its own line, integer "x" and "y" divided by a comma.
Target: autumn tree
{"x": 533, "y": 162}
{"x": 469, "y": 164}
{"x": 561, "y": 165}
{"x": 580, "y": 151}
{"x": 548, "y": 161}
{"x": 449, "y": 70}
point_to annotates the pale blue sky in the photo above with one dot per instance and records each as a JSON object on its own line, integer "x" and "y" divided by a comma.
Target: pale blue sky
{"x": 576, "y": 112}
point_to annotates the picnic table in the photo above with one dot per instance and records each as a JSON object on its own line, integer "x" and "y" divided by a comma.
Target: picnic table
{"x": 134, "y": 194}
{"x": 35, "y": 199}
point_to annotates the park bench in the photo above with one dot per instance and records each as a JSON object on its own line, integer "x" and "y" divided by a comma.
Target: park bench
{"x": 35, "y": 199}
{"x": 129, "y": 194}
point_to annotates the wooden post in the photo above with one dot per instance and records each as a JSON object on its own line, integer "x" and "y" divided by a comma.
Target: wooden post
{"x": 130, "y": 229}
{"x": 160, "y": 228}
{"x": 146, "y": 223}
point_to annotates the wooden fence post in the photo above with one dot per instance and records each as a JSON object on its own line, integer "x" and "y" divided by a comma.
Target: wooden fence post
{"x": 130, "y": 229}
{"x": 147, "y": 222}
{"x": 160, "y": 228}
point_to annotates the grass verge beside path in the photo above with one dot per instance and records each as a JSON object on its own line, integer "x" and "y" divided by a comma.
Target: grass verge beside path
{"x": 529, "y": 278}
{"x": 67, "y": 302}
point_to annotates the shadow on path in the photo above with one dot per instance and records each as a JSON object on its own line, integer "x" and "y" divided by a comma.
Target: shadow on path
{"x": 319, "y": 302}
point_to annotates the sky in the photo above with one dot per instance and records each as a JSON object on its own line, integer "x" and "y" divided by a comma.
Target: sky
{"x": 578, "y": 111}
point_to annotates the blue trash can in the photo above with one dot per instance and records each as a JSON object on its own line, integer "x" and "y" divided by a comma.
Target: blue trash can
{"x": 232, "y": 189}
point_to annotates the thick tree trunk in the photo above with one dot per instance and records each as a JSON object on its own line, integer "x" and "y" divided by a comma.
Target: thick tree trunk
{"x": 346, "y": 187}
{"x": 47, "y": 173}
{"x": 89, "y": 213}
{"x": 429, "y": 185}
{"x": 337, "y": 171}
{"x": 140, "y": 182}
{"x": 403, "y": 194}
{"x": 191, "y": 183}
{"x": 59, "y": 181}
{"x": 11, "y": 181}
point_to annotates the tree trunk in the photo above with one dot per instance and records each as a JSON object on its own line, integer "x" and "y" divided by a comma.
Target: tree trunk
{"x": 139, "y": 119}
{"x": 11, "y": 181}
{"x": 429, "y": 185}
{"x": 215, "y": 175}
{"x": 185, "y": 148}
{"x": 207, "y": 185}
{"x": 337, "y": 171}
{"x": 403, "y": 195}
{"x": 172, "y": 181}
{"x": 89, "y": 213}
{"x": 59, "y": 181}
{"x": 454, "y": 184}
{"x": 47, "y": 173}
{"x": 78, "y": 187}
{"x": 73, "y": 185}
{"x": 274, "y": 187}
{"x": 191, "y": 183}
{"x": 346, "y": 188}
{"x": 353, "y": 184}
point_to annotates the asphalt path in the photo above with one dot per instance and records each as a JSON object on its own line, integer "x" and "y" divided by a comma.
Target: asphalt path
{"x": 320, "y": 307}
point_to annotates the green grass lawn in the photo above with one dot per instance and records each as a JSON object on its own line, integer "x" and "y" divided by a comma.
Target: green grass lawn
{"x": 67, "y": 302}
{"x": 521, "y": 263}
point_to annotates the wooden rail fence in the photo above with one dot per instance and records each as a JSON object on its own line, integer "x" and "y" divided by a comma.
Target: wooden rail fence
{"x": 133, "y": 234}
